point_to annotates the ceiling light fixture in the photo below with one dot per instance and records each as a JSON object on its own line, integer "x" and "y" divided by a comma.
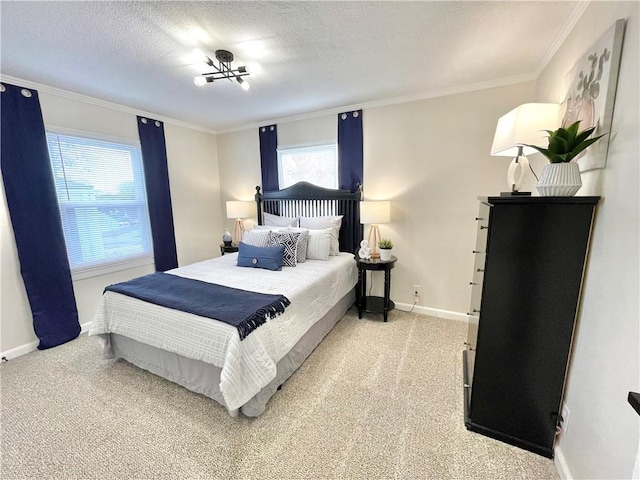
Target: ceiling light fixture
{"x": 221, "y": 70}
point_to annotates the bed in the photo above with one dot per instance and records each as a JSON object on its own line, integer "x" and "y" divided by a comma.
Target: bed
{"x": 208, "y": 356}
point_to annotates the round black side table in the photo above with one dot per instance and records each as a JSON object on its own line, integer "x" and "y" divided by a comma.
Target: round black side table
{"x": 233, "y": 248}
{"x": 373, "y": 304}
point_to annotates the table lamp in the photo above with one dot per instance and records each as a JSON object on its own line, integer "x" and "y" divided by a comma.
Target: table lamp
{"x": 374, "y": 213}
{"x": 524, "y": 124}
{"x": 238, "y": 210}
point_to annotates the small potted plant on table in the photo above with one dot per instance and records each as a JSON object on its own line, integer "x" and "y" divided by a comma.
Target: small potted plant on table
{"x": 385, "y": 245}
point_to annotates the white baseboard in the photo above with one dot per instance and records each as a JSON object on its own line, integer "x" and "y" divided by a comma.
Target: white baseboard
{"x": 561, "y": 464}
{"x": 31, "y": 346}
{"x": 434, "y": 312}
{"x": 19, "y": 351}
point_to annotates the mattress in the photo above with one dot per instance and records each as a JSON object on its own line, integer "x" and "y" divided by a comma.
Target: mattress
{"x": 247, "y": 366}
{"x": 204, "y": 378}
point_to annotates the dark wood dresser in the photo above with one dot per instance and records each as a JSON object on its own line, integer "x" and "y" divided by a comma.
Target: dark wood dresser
{"x": 529, "y": 263}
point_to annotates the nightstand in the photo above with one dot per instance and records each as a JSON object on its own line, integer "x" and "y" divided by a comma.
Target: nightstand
{"x": 369, "y": 303}
{"x": 233, "y": 248}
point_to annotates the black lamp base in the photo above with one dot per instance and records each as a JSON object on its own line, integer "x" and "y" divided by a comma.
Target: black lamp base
{"x": 515, "y": 194}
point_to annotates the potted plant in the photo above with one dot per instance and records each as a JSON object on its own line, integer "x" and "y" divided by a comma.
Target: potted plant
{"x": 562, "y": 176}
{"x": 385, "y": 245}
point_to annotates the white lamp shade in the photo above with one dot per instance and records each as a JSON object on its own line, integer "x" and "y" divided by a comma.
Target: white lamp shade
{"x": 525, "y": 124}
{"x": 375, "y": 212}
{"x": 237, "y": 209}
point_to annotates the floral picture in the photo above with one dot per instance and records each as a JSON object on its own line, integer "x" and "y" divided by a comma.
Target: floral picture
{"x": 590, "y": 93}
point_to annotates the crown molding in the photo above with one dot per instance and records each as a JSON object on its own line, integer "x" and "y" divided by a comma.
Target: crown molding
{"x": 562, "y": 35}
{"x": 472, "y": 87}
{"x": 100, "y": 103}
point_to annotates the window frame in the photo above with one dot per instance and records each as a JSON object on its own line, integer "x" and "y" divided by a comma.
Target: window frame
{"x": 284, "y": 150}
{"x": 123, "y": 263}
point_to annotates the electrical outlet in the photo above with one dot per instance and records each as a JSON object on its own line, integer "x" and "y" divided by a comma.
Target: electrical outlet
{"x": 416, "y": 293}
{"x": 565, "y": 417}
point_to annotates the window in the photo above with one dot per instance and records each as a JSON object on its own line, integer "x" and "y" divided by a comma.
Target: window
{"x": 317, "y": 165}
{"x": 103, "y": 205}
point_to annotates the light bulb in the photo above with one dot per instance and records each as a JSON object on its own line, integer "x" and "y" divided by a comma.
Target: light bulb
{"x": 243, "y": 83}
{"x": 199, "y": 80}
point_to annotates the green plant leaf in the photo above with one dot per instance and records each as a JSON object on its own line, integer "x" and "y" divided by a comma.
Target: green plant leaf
{"x": 564, "y": 134}
{"x": 573, "y": 129}
{"x": 579, "y": 148}
{"x": 582, "y": 136}
{"x": 542, "y": 150}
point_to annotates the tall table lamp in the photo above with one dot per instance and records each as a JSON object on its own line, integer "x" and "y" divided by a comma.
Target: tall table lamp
{"x": 375, "y": 213}
{"x": 525, "y": 124}
{"x": 238, "y": 210}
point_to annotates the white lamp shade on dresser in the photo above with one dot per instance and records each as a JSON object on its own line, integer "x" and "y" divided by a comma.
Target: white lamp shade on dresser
{"x": 524, "y": 124}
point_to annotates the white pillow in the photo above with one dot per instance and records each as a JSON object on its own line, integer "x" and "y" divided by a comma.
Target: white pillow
{"x": 319, "y": 244}
{"x": 301, "y": 248}
{"x": 333, "y": 222}
{"x": 278, "y": 221}
{"x": 257, "y": 238}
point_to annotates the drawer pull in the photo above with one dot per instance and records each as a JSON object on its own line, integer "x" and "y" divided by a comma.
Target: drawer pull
{"x": 466, "y": 385}
{"x": 473, "y": 312}
{"x": 478, "y": 219}
{"x": 482, "y": 227}
{"x": 476, "y": 251}
{"x": 479, "y": 269}
{"x": 472, "y": 283}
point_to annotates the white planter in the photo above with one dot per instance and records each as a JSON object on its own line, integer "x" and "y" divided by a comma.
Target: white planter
{"x": 560, "y": 180}
{"x": 385, "y": 254}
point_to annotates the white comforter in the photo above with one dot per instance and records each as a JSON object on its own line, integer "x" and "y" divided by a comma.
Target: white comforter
{"x": 247, "y": 366}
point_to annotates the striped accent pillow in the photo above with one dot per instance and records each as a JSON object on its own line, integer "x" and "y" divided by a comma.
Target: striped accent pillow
{"x": 333, "y": 222}
{"x": 290, "y": 242}
{"x": 257, "y": 238}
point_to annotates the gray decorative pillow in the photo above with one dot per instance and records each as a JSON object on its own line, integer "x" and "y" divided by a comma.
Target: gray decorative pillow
{"x": 301, "y": 247}
{"x": 290, "y": 242}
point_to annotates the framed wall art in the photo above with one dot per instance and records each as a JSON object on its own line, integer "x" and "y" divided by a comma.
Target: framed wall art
{"x": 590, "y": 93}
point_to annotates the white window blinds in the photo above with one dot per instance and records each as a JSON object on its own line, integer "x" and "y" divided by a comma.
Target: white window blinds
{"x": 102, "y": 199}
{"x": 317, "y": 165}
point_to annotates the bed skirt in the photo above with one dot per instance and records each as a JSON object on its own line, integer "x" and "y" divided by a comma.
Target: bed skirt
{"x": 204, "y": 378}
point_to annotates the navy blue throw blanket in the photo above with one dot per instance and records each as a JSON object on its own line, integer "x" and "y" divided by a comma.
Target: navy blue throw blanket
{"x": 242, "y": 309}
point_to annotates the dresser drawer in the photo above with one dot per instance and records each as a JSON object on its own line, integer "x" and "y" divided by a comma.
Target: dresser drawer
{"x": 482, "y": 221}
{"x": 477, "y": 283}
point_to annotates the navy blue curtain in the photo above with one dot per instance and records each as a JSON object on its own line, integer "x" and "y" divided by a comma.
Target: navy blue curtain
{"x": 35, "y": 217}
{"x": 269, "y": 157}
{"x": 156, "y": 178}
{"x": 350, "y": 156}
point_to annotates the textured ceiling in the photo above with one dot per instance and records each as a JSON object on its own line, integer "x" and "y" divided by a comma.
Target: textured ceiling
{"x": 314, "y": 55}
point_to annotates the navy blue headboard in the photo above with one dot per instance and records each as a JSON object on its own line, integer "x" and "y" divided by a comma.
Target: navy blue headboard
{"x": 308, "y": 200}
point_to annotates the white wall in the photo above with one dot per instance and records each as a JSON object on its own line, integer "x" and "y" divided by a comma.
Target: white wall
{"x": 193, "y": 177}
{"x": 604, "y": 431}
{"x": 430, "y": 159}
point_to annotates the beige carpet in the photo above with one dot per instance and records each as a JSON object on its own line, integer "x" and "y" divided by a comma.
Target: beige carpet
{"x": 374, "y": 400}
